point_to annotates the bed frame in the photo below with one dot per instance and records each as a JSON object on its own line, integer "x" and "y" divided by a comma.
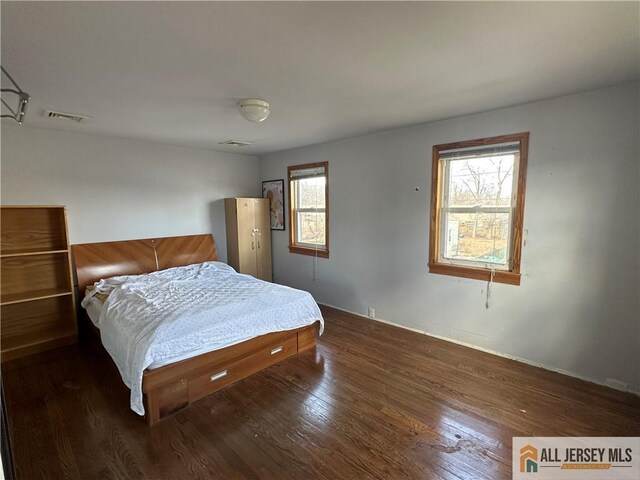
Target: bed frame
{"x": 173, "y": 387}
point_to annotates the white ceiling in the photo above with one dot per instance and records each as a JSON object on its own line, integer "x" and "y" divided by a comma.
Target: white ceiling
{"x": 172, "y": 72}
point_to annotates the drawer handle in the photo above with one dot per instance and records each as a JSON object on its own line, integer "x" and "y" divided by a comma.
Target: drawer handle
{"x": 276, "y": 350}
{"x": 219, "y": 375}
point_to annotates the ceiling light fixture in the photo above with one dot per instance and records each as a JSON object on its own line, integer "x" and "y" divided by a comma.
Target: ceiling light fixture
{"x": 254, "y": 110}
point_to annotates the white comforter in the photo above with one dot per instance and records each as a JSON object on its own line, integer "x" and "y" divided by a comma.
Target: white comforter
{"x": 203, "y": 307}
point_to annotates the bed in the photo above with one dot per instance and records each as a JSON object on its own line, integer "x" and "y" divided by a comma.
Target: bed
{"x": 265, "y": 323}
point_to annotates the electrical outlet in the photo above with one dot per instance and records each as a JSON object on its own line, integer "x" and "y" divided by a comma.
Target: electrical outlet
{"x": 372, "y": 312}
{"x": 617, "y": 384}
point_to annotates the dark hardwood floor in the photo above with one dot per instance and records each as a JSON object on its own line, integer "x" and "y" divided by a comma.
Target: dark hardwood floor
{"x": 372, "y": 401}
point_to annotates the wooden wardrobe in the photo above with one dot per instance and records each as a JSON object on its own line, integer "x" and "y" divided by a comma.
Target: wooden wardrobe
{"x": 249, "y": 236}
{"x": 36, "y": 294}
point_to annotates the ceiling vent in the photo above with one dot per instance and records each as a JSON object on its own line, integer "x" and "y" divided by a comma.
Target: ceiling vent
{"x": 74, "y": 117}
{"x": 235, "y": 143}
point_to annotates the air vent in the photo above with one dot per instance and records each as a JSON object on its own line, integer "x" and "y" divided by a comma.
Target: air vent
{"x": 74, "y": 117}
{"x": 235, "y": 143}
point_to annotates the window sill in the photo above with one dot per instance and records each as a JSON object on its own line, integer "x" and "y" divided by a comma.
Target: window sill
{"x": 309, "y": 251}
{"x": 500, "y": 276}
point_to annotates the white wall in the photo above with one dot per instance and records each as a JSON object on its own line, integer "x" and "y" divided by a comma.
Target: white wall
{"x": 577, "y": 309}
{"x": 118, "y": 189}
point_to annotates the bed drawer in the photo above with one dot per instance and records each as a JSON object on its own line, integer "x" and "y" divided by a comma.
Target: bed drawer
{"x": 235, "y": 370}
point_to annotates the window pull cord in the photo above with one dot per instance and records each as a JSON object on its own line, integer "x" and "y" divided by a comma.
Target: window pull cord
{"x": 315, "y": 257}
{"x": 493, "y": 272}
{"x": 315, "y": 266}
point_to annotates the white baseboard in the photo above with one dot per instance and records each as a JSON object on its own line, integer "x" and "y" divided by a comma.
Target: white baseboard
{"x": 486, "y": 350}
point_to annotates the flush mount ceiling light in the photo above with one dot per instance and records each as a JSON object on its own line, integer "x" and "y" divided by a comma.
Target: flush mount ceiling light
{"x": 254, "y": 110}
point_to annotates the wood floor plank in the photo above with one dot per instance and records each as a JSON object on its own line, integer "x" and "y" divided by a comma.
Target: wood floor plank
{"x": 372, "y": 401}
{"x": 380, "y": 413}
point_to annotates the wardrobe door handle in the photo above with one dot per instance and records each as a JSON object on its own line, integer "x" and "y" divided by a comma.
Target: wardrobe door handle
{"x": 253, "y": 247}
{"x": 258, "y": 244}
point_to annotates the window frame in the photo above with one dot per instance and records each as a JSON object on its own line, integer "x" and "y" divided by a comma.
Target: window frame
{"x": 303, "y": 248}
{"x": 509, "y": 276}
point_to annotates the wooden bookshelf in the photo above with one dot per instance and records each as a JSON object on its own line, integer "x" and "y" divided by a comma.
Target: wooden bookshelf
{"x": 37, "y": 305}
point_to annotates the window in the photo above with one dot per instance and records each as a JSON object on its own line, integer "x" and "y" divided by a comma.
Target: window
{"x": 477, "y": 208}
{"x": 309, "y": 190}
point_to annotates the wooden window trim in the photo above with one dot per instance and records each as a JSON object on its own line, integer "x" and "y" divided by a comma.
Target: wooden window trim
{"x": 512, "y": 276}
{"x": 293, "y": 248}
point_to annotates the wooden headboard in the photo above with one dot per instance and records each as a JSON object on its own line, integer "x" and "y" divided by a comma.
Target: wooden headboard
{"x": 94, "y": 261}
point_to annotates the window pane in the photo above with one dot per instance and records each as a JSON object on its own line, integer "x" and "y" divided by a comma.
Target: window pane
{"x": 478, "y": 237}
{"x": 311, "y": 228}
{"x": 311, "y": 192}
{"x": 482, "y": 181}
